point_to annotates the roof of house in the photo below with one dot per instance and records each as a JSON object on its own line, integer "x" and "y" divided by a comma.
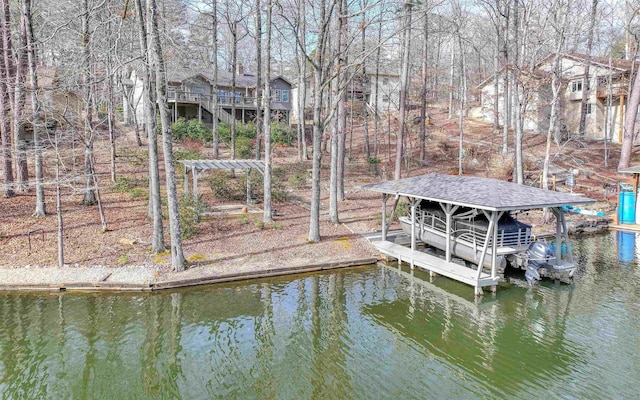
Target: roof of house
{"x": 482, "y": 193}
{"x": 245, "y": 80}
{"x": 617, "y": 64}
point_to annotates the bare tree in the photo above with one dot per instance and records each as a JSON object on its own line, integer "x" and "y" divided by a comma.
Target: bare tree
{"x": 585, "y": 79}
{"x": 404, "y": 86}
{"x": 155, "y": 204}
{"x": 177, "y": 256}
{"x": 88, "y": 93}
{"x": 5, "y": 100}
{"x": 267, "y": 117}
{"x": 259, "y": 129}
{"x": 40, "y": 210}
{"x": 19, "y": 143}
{"x": 214, "y": 43}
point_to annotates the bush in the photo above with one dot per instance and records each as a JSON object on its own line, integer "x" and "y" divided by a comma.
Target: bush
{"x": 227, "y": 187}
{"x": 278, "y": 187}
{"x": 123, "y": 184}
{"x": 282, "y": 133}
{"x": 190, "y": 209}
{"x": 297, "y": 181}
{"x": 242, "y": 131}
{"x": 193, "y": 129}
{"x": 244, "y": 147}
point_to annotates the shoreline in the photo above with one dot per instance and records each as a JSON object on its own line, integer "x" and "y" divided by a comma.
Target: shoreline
{"x": 145, "y": 279}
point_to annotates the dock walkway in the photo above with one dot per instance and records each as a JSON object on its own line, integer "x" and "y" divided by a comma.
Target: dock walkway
{"x": 395, "y": 247}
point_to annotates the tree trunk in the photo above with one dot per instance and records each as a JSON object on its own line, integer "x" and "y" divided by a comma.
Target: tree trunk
{"x": 425, "y": 81}
{"x": 630, "y": 112}
{"x": 177, "y": 256}
{"x": 89, "y": 193}
{"x": 333, "y": 163}
{"x": 404, "y": 87}
{"x": 519, "y": 160}
{"x": 585, "y": 79}
{"x": 60, "y": 230}
{"x": 40, "y": 210}
{"x": 342, "y": 102}
{"x": 234, "y": 61}
{"x": 155, "y": 204}
{"x": 259, "y": 128}
{"x": 214, "y": 97}
{"x": 267, "y": 118}
{"x": 22, "y": 172}
{"x": 5, "y": 102}
{"x": 318, "y": 64}
{"x": 376, "y": 97}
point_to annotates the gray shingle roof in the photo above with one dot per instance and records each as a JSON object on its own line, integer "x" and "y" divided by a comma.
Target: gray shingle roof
{"x": 482, "y": 193}
{"x": 224, "y": 77}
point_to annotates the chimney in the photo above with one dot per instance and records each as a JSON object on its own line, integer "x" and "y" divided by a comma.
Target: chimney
{"x": 239, "y": 69}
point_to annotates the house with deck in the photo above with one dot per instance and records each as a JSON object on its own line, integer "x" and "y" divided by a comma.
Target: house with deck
{"x": 191, "y": 96}
{"x": 606, "y": 86}
{"x": 384, "y": 85}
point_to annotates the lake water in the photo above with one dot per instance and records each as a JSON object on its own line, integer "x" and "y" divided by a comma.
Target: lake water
{"x": 368, "y": 333}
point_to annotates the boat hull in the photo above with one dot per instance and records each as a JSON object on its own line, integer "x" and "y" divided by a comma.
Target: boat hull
{"x": 460, "y": 248}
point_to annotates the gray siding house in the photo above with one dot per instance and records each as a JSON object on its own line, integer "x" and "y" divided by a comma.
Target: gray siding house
{"x": 190, "y": 95}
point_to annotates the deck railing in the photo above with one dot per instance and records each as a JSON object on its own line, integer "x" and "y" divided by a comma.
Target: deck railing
{"x": 467, "y": 230}
{"x": 207, "y": 100}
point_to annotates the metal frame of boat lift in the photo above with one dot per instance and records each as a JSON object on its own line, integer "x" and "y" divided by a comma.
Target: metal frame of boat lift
{"x": 492, "y": 197}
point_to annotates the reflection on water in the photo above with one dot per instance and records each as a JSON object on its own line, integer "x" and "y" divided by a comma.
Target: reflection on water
{"x": 359, "y": 333}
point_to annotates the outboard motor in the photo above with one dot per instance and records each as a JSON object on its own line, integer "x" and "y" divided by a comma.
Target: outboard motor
{"x": 539, "y": 253}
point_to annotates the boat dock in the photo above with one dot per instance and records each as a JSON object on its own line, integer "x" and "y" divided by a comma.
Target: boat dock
{"x": 489, "y": 198}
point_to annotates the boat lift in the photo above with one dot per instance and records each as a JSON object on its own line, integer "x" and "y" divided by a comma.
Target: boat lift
{"x": 491, "y": 197}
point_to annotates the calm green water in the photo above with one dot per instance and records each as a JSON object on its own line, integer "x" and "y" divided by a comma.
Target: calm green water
{"x": 366, "y": 333}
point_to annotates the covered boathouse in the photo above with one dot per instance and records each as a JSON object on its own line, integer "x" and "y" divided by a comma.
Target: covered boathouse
{"x": 491, "y": 197}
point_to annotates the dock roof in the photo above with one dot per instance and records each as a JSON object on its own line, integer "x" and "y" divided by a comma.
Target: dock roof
{"x": 482, "y": 193}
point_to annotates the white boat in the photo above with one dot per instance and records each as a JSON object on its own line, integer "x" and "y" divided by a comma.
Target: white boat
{"x": 469, "y": 226}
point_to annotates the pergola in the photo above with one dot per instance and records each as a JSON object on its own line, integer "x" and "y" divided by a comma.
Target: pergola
{"x": 198, "y": 166}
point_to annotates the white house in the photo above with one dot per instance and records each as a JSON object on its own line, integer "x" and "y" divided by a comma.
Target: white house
{"x": 388, "y": 90}
{"x": 606, "y": 88}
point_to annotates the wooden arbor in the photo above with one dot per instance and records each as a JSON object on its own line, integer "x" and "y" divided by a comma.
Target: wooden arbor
{"x": 195, "y": 167}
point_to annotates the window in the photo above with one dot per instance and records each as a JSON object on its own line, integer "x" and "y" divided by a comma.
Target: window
{"x": 280, "y": 95}
{"x": 576, "y": 86}
{"x": 197, "y": 90}
{"x": 589, "y": 108}
{"x": 222, "y": 96}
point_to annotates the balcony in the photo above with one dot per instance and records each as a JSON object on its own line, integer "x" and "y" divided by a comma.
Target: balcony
{"x": 617, "y": 90}
{"x": 207, "y": 100}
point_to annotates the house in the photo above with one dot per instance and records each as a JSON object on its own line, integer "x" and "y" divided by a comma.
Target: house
{"x": 388, "y": 91}
{"x": 190, "y": 96}
{"x": 606, "y": 86}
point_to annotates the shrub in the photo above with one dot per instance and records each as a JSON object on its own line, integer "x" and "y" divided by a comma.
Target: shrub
{"x": 139, "y": 193}
{"x": 242, "y": 131}
{"x": 297, "y": 181}
{"x": 244, "y": 147}
{"x": 193, "y": 129}
{"x": 123, "y": 184}
{"x": 278, "y": 188}
{"x": 282, "y": 133}
{"x": 227, "y": 187}
{"x": 190, "y": 209}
